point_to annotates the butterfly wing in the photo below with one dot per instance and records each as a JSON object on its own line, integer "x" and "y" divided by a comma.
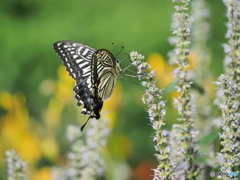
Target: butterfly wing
{"x": 77, "y": 59}
{"x": 104, "y": 73}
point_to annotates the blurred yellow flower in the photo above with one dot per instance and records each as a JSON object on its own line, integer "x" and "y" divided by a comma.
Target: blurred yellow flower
{"x": 127, "y": 145}
{"x": 19, "y": 132}
{"x": 193, "y": 60}
{"x": 53, "y": 113}
{"x": 42, "y": 174}
{"x": 209, "y": 87}
{"x": 64, "y": 75}
{"x": 16, "y": 131}
{"x": 64, "y": 89}
{"x": 50, "y": 148}
{"x": 64, "y": 95}
{"x": 120, "y": 146}
{"x": 6, "y": 100}
{"x": 163, "y": 70}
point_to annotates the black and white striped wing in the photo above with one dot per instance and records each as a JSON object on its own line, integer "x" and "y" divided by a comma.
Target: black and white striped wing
{"x": 77, "y": 59}
{"x": 104, "y": 72}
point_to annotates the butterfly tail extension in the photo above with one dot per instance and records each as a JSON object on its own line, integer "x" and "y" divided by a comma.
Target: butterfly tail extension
{"x": 97, "y": 107}
{"x": 85, "y": 123}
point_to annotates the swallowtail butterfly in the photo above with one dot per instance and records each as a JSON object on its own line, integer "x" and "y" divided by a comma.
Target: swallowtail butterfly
{"x": 95, "y": 72}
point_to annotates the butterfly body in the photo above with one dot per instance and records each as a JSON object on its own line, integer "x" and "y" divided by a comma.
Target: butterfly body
{"x": 95, "y": 72}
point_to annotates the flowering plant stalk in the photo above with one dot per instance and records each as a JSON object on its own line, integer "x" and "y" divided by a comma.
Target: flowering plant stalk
{"x": 228, "y": 95}
{"x": 200, "y": 31}
{"x": 232, "y": 48}
{"x": 183, "y": 134}
{"x": 86, "y": 161}
{"x": 205, "y": 120}
{"x": 16, "y": 166}
{"x": 153, "y": 99}
{"x": 230, "y": 135}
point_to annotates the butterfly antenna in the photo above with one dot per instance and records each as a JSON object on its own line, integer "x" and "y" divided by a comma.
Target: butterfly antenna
{"x": 119, "y": 51}
{"x": 85, "y": 123}
{"x": 128, "y": 56}
{"x": 114, "y": 49}
{"x": 125, "y": 58}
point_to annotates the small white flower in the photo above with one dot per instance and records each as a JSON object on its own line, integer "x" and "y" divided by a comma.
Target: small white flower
{"x": 163, "y": 112}
{"x": 135, "y": 63}
{"x": 194, "y": 133}
{"x": 144, "y": 83}
{"x": 178, "y": 89}
{"x": 162, "y": 103}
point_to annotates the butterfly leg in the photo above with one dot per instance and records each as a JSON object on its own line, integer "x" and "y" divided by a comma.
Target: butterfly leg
{"x": 85, "y": 123}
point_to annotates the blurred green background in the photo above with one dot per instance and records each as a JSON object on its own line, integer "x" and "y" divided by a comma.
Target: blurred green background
{"x": 30, "y": 73}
